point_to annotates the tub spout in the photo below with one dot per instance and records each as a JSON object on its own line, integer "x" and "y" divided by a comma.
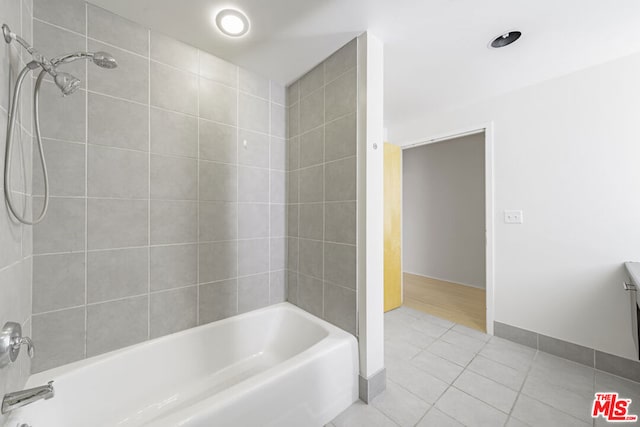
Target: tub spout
{"x": 19, "y": 399}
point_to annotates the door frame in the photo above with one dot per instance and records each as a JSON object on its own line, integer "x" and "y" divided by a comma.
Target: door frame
{"x": 487, "y": 128}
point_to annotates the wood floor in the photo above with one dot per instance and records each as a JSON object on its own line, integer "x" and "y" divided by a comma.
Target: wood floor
{"x": 461, "y": 304}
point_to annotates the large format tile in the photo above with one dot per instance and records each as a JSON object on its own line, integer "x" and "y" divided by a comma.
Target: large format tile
{"x": 437, "y": 366}
{"x": 173, "y": 311}
{"x": 437, "y": 418}
{"x": 312, "y": 112}
{"x": 114, "y": 223}
{"x": 341, "y": 61}
{"x": 219, "y": 70}
{"x": 311, "y": 221}
{"x": 62, "y": 230}
{"x": 340, "y": 180}
{"x": 173, "y": 133}
{"x": 59, "y": 337}
{"x": 218, "y": 221}
{"x": 218, "y": 261}
{"x": 468, "y": 410}
{"x": 253, "y": 84}
{"x": 174, "y": 178}
{"x": 218, "y": 142}
{"x": 116, "y": 324}
{"x": 172, "y": 52}
{"x": 56, "y": 124}
{"x": 130, "y": 80}
{"x": 173, "y": 266}
{"x": 312, "y": 147}
{"x": 117, "y": 123}
{"x": 309, "y": 294}
{"x": 253, "y": 113}
{"x": 218, "y": 182}
{"x": 218, "y": 102}
{"x": 113, "y": 29}
{"x": 451, "y": 352}
{"x": 253, "y": 184}
{"x": 513, "y": 355}
{"x": 253, "y": 256}
{"x": 218, "y": 300}
{"x": 117, "y": 274}
{"x": 253, "y": 292}
{"x": 418, "y": 382}
{"x": 491, "y": 392}
{"x": 341, "y": 96}
{"x": 253, "y": 149}
{"x": 498, "y": 372}
{"x": 536, "y": 413}
{"x": 340, "y": 138}
{"x": 173, "y": 222}
{"x": 253, "y": 220}
{"x": 577, "y": 404}
{"x": 400, "y": 405}
{"x": 340, "y": 307}
{"x": 65, "y": 13}
{"x": 173, "y": 89}
{"x": 360, "y": 414}
{"x": 58, "y": 281}
{"x": 65, "y": 167}
{"x": 112, "y": 172}
{"x": 52, "y": 41}
{"x": 340, "y": 222}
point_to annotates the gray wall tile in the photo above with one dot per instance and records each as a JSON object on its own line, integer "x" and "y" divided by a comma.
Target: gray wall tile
{"x": 277, "y": 287}
{"x": 172, "y": 52}
{"x": 253, "y": 84}
{"x": 278, "y": 251}
{"x": 55, "y": 123}
{"x": 312, "y": 147}
{"x": 218, "y": 102}
{"x": 117, "y": 274}
{"x": 173, "y": 133}
{"x": 312, "y": 81}
{"x": 293, "y": 186}
{"x": 253, "y": 256}
{"x": 340, "y": 138}
{"x": 292, "y": 287}
{"x": 218, "y": 142}
{"x": 292, "y": 220}
{"x": 311, "y": 221}
{"x": 113, "y": 29}
{"x": 112, "y": 172}
{"x": 218, "y": 221}
{"x": 174, "y": 178}
{"x": 278, "y": 187}
{"x": 341, "y": 96}
{"x": 116, "y": 324}
{"x": 278, "y": 220}
{"x": 60, "y": 338}
{"x": 62, "y": 230}
{"x": 174, "y": 89}
{"x": 278, "y": 154}
{"x": 173, "y": 266}
{"x": 340, "y": 180}
{"x": 173, "y": 311}
{"x": 311, "y": 258}
{"x": 173, "y": 222}
{"x": 65, "y": 13}
{"x": 293, "y": 121}
{"x": 218, "y": 182}
{"x": 312, "y": 184}
{"x": 309, "y": 295}
{"x": 113, "y": 223}
{"x": 253, "y": 113}
{"x": 340, "y": 222}
{"x": 293, "y": 249}
{"x": 341, "y": 61}
{"x": 219, "y": 70}
{"x": 340, "y": 264}
{"x": 253, "y": 184}
{"x": 218, "y": 300}
{"x": 253, "y": 220}
{"x": 65, "y": 167}
{"x": 293, "y": 93}
{"x": 58, "y": 281}
{"x": 253, "y": 292}
{"x": 118, "y": 123}
{"x": 129, "y": 81}
{"x": 278, "y": 121}
{"x": 253, "y": 149}
{"x": 312, "y": 111}
{"x": 218, "y": 261}
{"x": 340, "y": 307}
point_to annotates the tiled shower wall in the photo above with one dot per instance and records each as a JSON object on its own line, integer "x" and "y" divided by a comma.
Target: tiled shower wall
{"x": 15, "y": 238}
{"x": 321, "y": 220}
{"x": 168, "y": 189}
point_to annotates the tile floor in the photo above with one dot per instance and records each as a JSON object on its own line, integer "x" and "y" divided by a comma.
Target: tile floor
{"x": 443, "y": 374}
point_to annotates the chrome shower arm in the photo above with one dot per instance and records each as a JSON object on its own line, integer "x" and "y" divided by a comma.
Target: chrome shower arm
{"x": 65, "y": 59}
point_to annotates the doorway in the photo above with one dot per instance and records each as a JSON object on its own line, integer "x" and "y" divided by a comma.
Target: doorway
{"x": 447, "y": 222}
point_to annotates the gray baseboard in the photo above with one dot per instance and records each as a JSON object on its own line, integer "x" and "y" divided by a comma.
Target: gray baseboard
{"x": 616, "y": 365}
{"x": 372, "y": 386}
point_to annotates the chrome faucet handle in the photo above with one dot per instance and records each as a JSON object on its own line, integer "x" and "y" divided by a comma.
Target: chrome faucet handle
{"x": 11, "y": 340}
{"x": 31, "y": 348}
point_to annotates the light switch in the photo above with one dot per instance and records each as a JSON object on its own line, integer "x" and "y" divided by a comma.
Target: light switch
{"x": 513, "y": 217}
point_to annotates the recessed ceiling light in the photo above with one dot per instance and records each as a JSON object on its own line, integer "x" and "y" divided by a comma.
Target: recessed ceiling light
{"x": 505, "y": 39}
{"x": 232, "y": 22}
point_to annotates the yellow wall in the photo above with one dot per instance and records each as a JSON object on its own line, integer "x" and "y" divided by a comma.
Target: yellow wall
{"x": 392, "y": 226}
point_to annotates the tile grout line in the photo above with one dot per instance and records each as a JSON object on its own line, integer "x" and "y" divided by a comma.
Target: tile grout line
{"x": 237, "y": 187}
{"x": 86, "y": 192}
{"x": 149, "y": 185}
{"x": 198, "y": 194}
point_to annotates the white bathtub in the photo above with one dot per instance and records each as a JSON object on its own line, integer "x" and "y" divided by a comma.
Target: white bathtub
{"x": 277, "y": 366}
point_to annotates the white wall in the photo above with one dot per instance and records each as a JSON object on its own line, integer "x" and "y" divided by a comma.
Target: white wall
{"x": 443, "y": 210}
{"x": 567, "y": 153}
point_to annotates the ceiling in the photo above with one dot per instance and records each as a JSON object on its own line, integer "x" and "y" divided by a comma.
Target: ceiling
{"x": 436, "y": 55}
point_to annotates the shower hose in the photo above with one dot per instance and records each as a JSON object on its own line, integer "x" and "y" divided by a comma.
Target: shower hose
{"x": 8, "y": 149}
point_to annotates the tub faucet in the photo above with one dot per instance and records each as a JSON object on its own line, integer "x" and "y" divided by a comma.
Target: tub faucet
{"x": 19, "y": 399}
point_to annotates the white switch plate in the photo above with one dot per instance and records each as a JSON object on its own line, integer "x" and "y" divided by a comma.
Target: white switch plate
{"x": 513, "y": 217}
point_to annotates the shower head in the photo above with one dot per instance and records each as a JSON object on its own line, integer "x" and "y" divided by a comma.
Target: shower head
{"x": 66, "y": 82}
{"x": 104, "y": 60}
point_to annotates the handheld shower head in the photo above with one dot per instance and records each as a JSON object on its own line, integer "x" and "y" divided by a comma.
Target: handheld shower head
{"x": 104, "y": 60}
{"x": 66, "y": 82}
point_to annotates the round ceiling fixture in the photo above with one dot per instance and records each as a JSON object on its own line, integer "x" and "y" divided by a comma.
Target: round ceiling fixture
{"x": 232, "y": 22}
{"x": 505, "y": 39}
